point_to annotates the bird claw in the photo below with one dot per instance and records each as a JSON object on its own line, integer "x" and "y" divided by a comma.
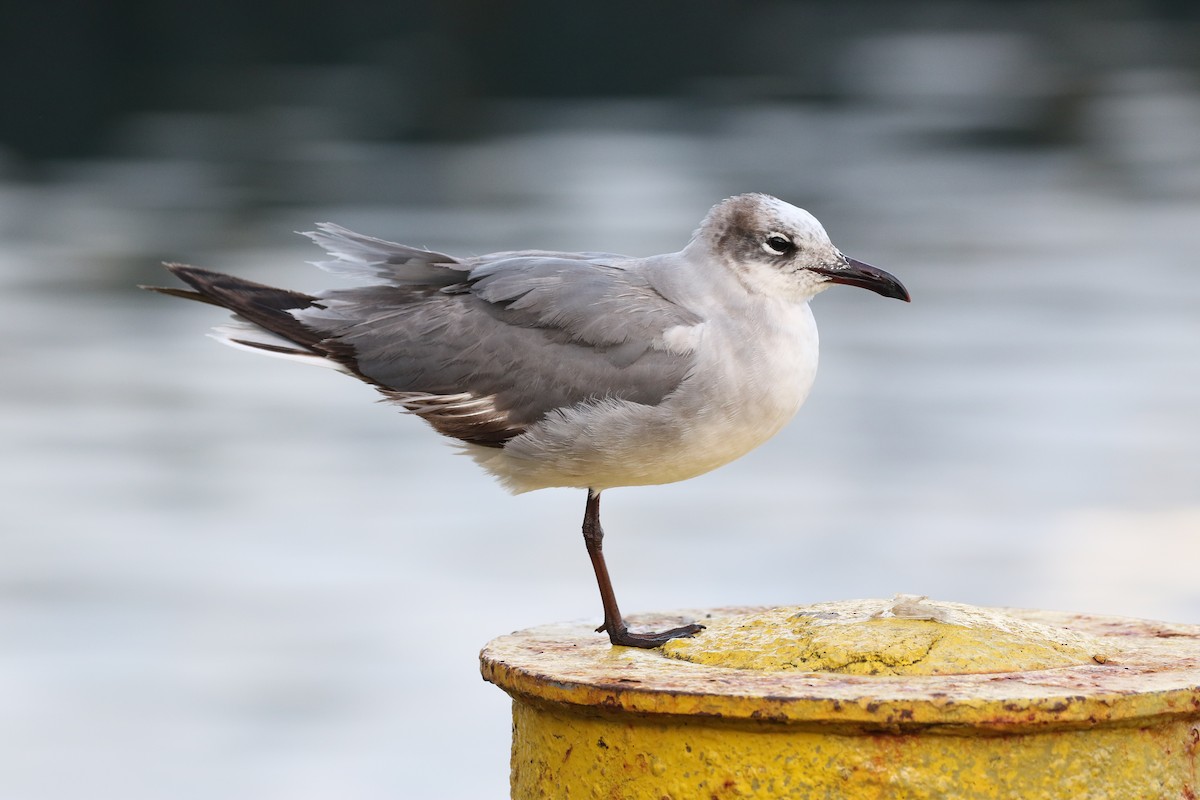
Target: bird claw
{"x": 621, "y": 635}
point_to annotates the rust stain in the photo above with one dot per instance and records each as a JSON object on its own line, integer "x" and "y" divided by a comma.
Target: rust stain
{"x": 1147, "y": 675}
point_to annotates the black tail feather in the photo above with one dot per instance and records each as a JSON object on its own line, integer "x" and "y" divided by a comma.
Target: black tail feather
{"x": 265, "y": 306}
{"x": 174, "y": 292}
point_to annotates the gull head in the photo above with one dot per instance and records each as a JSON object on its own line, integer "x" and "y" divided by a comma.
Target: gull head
{"x": 778, "y": 249}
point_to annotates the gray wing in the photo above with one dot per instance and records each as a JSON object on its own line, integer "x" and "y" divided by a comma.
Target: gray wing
{"x": 507, "y": 342}
{"x": 359, "y": 256}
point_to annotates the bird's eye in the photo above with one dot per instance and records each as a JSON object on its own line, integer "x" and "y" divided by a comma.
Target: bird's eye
{"x": 778, "y": 245}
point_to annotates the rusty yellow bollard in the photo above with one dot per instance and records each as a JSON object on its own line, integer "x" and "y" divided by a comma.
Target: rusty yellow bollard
{"x": 871, "y": 700}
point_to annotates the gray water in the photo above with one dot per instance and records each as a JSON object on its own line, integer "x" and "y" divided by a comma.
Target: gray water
{"x": 227, "y": 576}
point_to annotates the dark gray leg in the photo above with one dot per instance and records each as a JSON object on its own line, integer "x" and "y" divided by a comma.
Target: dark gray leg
{"x": 614, "y": 623}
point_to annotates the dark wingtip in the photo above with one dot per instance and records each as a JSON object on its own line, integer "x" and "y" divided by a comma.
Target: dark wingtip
{"x": 188, "y": 274}
{"x": 186, "y": 294}
{"x": 192, "y": 275}
{"x": 268, "y": 307}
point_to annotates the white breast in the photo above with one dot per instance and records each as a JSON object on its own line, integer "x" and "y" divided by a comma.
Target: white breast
{"x": 753, "y": 372}
{"x": 750, "y": 382}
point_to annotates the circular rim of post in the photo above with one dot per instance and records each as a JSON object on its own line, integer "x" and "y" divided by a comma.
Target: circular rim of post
{"x": 1152, "y": 671}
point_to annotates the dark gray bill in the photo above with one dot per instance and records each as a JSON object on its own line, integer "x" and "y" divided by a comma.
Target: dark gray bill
{"x": 864, "y": 276}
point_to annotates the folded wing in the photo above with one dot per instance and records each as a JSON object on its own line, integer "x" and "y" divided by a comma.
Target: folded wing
{"x": 480, "y": 348}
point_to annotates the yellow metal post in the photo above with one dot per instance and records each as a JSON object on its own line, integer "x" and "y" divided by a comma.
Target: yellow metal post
{"x": 869, "y": 700}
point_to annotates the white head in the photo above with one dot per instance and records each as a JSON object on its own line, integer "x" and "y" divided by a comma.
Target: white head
{"x": 777, "y": 249}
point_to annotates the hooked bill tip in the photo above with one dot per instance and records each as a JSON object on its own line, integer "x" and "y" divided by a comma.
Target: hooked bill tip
{"x": 865, "y": 276}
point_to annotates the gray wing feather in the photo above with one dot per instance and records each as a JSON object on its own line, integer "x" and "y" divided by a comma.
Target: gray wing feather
{"x": 593, "y": 302}
{"x": 528, "y": 332}
{"x": 359, "y": 256}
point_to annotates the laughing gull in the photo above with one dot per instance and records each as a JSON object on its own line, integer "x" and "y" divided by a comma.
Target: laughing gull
{"x": 586, "y": 370}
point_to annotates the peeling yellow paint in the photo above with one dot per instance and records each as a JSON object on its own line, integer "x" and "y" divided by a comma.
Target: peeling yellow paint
{"x": 594, "y": 721}
{"x": 569, "y": 755}
{"x": 862, "y": 638}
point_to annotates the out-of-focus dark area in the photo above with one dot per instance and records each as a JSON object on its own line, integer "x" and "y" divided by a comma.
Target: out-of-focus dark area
{"x": 226, "y": 576}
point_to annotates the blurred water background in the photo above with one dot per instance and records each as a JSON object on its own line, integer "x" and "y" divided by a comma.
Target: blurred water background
{"x": 226, "y": 576}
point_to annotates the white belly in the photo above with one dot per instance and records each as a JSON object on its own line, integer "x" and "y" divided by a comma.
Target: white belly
{"x": 748, "y": 382}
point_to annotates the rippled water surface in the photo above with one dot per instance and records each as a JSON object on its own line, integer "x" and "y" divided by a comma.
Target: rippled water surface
{"x": 227, "y": 576}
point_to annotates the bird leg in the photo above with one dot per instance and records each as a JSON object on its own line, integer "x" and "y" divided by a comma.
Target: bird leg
{"x": 614, "y": 623}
